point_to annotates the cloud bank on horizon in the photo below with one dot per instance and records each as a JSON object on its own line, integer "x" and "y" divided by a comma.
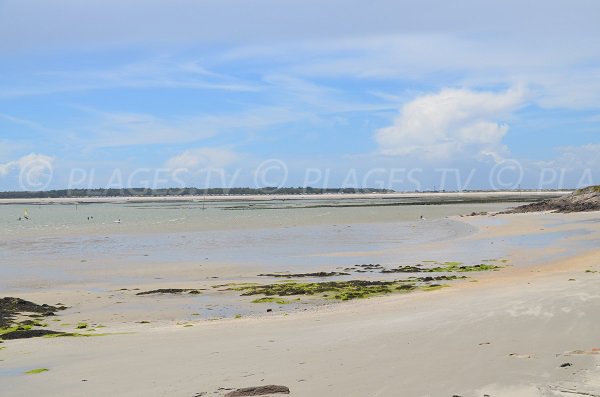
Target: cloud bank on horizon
{"x": 391, "y": 94}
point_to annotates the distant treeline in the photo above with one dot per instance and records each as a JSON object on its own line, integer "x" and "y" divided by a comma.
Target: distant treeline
{"x": 188, "y": 191}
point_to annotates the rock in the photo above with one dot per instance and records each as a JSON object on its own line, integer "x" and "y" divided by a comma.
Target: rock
{"x": 259, "y": 391}
{"x": 582, "y": 200}
{"x": 477, "y": 213}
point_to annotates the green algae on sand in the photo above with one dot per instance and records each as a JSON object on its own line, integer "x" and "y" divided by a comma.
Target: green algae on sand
{"x": 270, "y": 299}
{"x": 78, "y": 335}
{"x": 446, "y": 267}
{"x": 337, "y": 290}
{"x": 459, "y": 267}
{"x": 37, "y": 371}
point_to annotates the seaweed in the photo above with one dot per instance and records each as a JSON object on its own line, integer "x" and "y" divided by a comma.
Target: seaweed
{"x": 10, "y": 307}
{"x": 299, "y": 275}
{"x": 271, "y": 299}
{"x": 77, "y": 335}
{"x": 446, "y": 267}
{"x": 338, "y": 290}
{"x": 29, "y": 333}
{"x": 37, "y": 371}
{"x": 191, "y": 291}
{"x": 458, "y": 267}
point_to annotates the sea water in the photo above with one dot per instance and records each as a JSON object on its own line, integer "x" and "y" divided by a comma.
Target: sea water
{"x": 83, "y": 244}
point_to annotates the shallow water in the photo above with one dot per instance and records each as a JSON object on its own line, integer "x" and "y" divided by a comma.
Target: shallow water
{"x": 183, "y": 245}
{"x": 62, "y": 219}
{"x": 60, "y": 245}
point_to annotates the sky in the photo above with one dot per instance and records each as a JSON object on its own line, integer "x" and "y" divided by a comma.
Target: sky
{"x": 403, "y": 95}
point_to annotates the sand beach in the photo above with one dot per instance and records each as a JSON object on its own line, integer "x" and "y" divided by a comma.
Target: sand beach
{"x": 525, "y": 327}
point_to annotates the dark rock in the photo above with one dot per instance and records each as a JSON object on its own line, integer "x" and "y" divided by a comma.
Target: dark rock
{"x": 477, "y": 213}
{"x": 582, "y": 200}
{"x": 258, "y": 391}
{"x": 565, "y": 365}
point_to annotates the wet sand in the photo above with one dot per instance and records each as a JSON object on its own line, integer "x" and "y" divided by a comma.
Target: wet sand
{"x": 530, "y": 329}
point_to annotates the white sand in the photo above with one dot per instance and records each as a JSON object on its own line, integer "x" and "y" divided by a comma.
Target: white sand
{"x": 506, "y": 335}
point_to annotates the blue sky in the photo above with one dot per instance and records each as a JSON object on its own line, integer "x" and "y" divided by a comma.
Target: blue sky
{"x": 395, "y": 94}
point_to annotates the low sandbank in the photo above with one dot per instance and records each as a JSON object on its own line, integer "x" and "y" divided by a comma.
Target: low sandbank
{"x": 275, "y": 197}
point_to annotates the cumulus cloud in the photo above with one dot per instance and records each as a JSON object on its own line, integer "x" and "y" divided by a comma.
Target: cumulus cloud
{"x": 34, "y": 171}
{"x": 584, "y": 156}
{"x": 37, "y": 164}
{"x": 197, "y": 159}
{"x": 453, "y": 122}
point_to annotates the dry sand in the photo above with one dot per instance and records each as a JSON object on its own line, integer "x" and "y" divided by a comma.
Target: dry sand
{"x": 506, "y": 335}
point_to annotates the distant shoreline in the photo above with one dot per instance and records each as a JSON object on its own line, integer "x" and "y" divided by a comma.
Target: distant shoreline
{"x": 500, "y": 195}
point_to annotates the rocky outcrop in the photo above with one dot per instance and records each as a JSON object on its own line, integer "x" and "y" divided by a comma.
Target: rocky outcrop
{"x": 582, "y": 200}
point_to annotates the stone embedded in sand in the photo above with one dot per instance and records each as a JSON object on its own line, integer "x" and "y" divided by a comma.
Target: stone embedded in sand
{"x": 259, "y": 391}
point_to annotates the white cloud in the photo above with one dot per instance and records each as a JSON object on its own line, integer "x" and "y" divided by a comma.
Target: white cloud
{"x": 157, "y": 72}
{"x": 35, "y": 164}
{"x": 112, "y": 129}
{"x": 124, "y": 129}
{"x": 21, "y": 121}
{"x": 38, "y": 24}
{"x": 577, "y": 157}
{"x": 453, "y": 122}
{"x": 197, "y": 159}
